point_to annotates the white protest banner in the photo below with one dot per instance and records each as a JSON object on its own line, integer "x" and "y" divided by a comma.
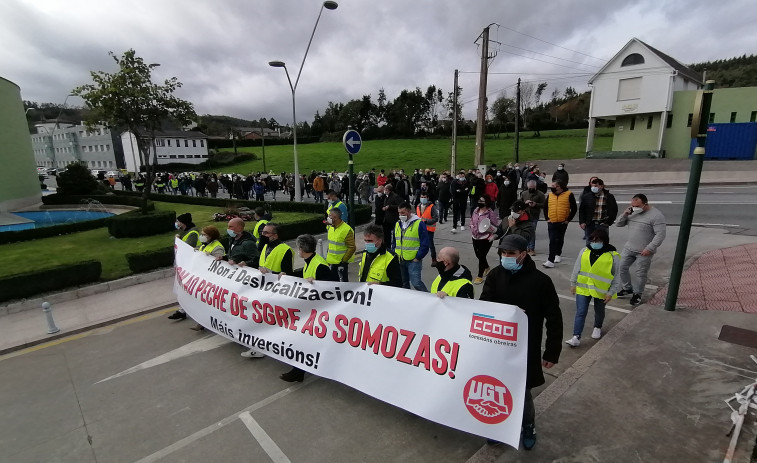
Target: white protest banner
{"x": 459, "y": 362}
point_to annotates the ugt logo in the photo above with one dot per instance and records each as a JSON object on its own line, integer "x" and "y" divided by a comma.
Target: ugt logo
{"x": 487, "y": 399}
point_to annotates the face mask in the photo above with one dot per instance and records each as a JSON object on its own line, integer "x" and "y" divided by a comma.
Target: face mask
{"x": 481, "y": 204}
{"x": 231, "y": 232}
{"x": 532, "y": 190}
{"x": 510, "y": 263}
{"x": 461, "y": 178}
{"x": 553, "y": 190}
{"x": 370, "y": 247}
{"x": 637, "y": 209}
{"x": 595, "y": 189}
{"x": 424, "y": 200}
{"x": 178, "y": 227}
{"x": 560, "y": 167}
{"x": 488, "y": 181}
{"x": 331, "y": 202}
{"x": 506, "y": 182}
{"x": 595, "y": 246}
{"x": 379, "y": 194}
{"x": 329, "y": 220}
{"x": 515, "y": 215}
{"x": 403, "y": 218}
{"x": 203, "y": 238}
{"x": 440, "y": 266}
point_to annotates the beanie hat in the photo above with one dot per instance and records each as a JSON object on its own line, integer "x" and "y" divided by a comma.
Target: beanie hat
{"x": 185, "y": 218}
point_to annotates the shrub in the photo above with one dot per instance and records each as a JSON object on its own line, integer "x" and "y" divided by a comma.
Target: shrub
{"x": 134, "y": 224}
{"x": 55, "y": 230}
{"x": 31, "y": 283}
{"x": 76, "y": 180}
{"x": 148, "y": 260}
{"x": 225, "y": 203}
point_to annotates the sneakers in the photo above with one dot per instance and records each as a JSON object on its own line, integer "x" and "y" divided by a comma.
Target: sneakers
{"x": 625, "y": 292}
{"x": 252, "y": 354}
{"x": 558, "y": 259}
{"x": 197, "y": 327}
{"x": 178, "y": 316}
{"x": 462, "y": 227}
{"x": 636, "y": 299}
{"x": 548, "y": 264}
{"x": 596, "y": 333}
{"x": 478, "y": 281}
{"x": 295, "y": 374}
{"x": 529, "y": 436}
{"x": 573, "y": 342}
{"x": 454, "y": 230}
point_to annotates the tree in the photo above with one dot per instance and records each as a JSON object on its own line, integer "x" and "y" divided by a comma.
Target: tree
{"x": 128, "y": 99}
{"x": 503, "y": 110}
{"x": 76, "y": 180}
{"x": 435, "y": 98}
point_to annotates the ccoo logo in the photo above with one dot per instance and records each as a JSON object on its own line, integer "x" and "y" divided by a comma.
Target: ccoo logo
{"x": 487, "y": 399}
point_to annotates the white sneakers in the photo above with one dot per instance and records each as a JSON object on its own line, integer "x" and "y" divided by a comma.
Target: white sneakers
{"x": 548, "y": 264}
{"x": 573, "y": 342}
{"x": 597, "y": 333}
{"x": 558, "y": 259}
{"x": 462, "y": 227}
{"x": 252, "y": 354}
{"x": 453, "y": 230}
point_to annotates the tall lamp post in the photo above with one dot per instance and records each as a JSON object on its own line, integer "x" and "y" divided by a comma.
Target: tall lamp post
{"x": 329, "y": 5}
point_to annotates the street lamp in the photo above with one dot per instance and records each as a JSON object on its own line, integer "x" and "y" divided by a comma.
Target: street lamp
{"x": 329, "y": 5}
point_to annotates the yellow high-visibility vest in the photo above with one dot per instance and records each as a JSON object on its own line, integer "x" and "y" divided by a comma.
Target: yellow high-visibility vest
{"x": 377, "y": 271}
{"x": 408, "y": 241}
{"x": 451, "y": 287}
{"x": 209, "y": 247}
{"x": 273, "y": 260}
{"x": 337, "y": 238}
{"x": 311, "y": 268}
{"x": 595, "y": 280}
{"x": 256, "y": 229}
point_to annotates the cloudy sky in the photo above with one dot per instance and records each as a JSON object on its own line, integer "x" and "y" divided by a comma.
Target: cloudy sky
{"x": 220, "y": 49}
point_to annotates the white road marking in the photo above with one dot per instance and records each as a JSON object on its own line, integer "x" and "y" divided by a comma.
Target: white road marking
{"x": 180, "y": 444}
{"x": 201, "y": 345}
{"x": 609, "y": 307}
{"x": 728, "y": 225}
{"x": 263, "y": 439}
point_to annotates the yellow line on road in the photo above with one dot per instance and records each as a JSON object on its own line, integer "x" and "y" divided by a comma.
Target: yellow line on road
{"x": 74, "y": 337}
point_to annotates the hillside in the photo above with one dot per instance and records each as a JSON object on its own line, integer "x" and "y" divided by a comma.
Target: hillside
{"x": 740, "y": 71}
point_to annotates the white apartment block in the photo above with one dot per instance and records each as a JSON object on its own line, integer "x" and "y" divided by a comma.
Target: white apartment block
{"x": 59, "y": 144}
{"x": 187, "y": 147}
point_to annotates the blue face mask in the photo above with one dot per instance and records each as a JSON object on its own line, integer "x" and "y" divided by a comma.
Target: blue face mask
{"x": 231, "y": 232}
{"x": 510, "y": 263}
{"x": 424, "y": 200}
{"x": 370, "y": 247}
{"x": 177, "y": 225}
{"x": 596, "y": 245}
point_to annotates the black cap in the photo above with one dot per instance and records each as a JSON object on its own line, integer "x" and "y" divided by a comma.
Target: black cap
{"x": 518, "y": 206}
{"x": 185, "y": 218}
{"x": 513, "y": 243}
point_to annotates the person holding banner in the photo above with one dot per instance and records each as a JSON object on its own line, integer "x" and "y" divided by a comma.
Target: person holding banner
{"x": 411, "y": 245}
{"x": 454, "y": 279}
{"x": 188, "y": 234}
{"x": 342, "y": 247}
{"x": 242, "y": 248}
{"x": 517, "y": 281}
{"x": 210, "y": 245}
{"x": 379, "y": 265}
{"x": 261, "y": 218}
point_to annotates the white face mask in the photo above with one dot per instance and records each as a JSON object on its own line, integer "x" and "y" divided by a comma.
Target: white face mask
{"x": 203, "y": 238}
{"x": 595, "y": 189}
{"x": 506, "y": 182}
{"x": 403, "y": 218}
{"x": 329, "y": 220}
{"x": 515, "y": 215}
{"x": 636, "y": 210}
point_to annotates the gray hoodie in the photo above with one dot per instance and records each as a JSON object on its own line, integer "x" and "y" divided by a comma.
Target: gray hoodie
{"x": 646, "y": 230}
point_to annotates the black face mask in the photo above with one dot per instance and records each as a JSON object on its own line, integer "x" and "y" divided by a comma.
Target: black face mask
{"x": 553, "y": 190}
{"x": 440, "y": 266}
{"x": 264, "y": 239}
{"x": 532, "y": 190}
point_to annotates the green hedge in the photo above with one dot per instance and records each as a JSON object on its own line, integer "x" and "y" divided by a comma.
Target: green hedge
{"x": 51, "y": 279}
{"x": 134, "y": 224}
{"x": 148, "y": 260}
{"x": 281, "y": 206}
{"x": 47, "y": 232}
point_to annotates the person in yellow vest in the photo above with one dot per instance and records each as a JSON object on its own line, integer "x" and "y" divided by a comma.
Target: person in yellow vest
{"x": 559, "y": 209}
{"x": 174, "y": 185}
{"x": 210, "y": 244}
{"x": 262, "y": 218}
{"x": 316, "y": 268}
{"x": 187, "y": 232}
{"x": 454, "y": 279}
{"x": 342, "y": 247}
{"x": 275, "y": 257}
{"x": 379, "y": 265}
{"x": 335, "y": 203}
{"x": 594, "y": 277}
{"x": 429, "y": 214}
{"x": 411, "y": 246}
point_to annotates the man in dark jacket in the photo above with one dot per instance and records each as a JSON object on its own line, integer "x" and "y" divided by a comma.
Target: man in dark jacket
{"x": 391, "y": 213}
{"x": 598, "y": 208}
{"x": 561, "y": 174}
{"x": 243, "y": 250}
{"x": 517, "y": 282}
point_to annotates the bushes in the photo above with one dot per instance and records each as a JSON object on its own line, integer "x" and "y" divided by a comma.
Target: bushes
{"x": 223, "y": 203}
{"x": 76, "y": 180}
{"x": 134, "y": 224}
{"x": 50, "y": 279}
{"x": 148, "y": 260}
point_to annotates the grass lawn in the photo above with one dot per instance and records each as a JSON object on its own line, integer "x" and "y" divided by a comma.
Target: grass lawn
{"x": 97, "y": 244}
{"x": 426, "y": 153}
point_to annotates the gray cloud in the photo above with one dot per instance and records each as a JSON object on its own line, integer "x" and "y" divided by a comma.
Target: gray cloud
{"x": 220, "y": 49}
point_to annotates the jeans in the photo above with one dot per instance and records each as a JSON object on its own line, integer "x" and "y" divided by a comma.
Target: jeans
{"x": 582, "y": 308}
{"x": 556, "y": 239}
{"x": 642, "y": 268}
{"x": 411, "y": 275}
{"x": 340, "y": 271}
{"x": 532, "y": 243}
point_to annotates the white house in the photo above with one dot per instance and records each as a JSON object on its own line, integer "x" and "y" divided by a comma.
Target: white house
{"x": 188, "y": 147}
{"x": 635, "y": 89}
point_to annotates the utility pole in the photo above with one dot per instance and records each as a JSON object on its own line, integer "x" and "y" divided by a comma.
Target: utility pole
{"x": 481, "y": 117}
{"x": 517, "y": 121}
{"x": 453, "y": 162}
{"x": 262, "y": 140}
{"x": 702, "y": 105}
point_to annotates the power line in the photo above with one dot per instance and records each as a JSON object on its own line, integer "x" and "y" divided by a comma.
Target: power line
{"x": 550, "y": 56}
{"x": 537, "y": 59}
{"x": 550, "y": 43}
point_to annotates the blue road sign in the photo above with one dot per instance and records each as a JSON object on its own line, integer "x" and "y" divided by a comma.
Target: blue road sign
{"x": 352, "y": 141}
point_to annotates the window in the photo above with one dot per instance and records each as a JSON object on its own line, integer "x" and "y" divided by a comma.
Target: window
{"x": 753, "y": 117}
{"x": 159, "y": 142}
{"x": 171, "y": 156}
{"x": 649, "y": 122}
{"x": 186, "y": 143}
{"x": 711, "y": 119}
{"x": 107, "y": 147}
{"x": 181, "y": 156}
{"x": 633, "y": 122}
{"x": 632, "y": 59}
{"x": 202, "y": 143}
{"x": 690, "y": 120}
{"x": 194, "y": 143}
{"x": 178, "y": 143}
{"x": 669, "y": 122}
{"x": 629, "y": 89}
{"x": 733, "y": 117}
{"x": 169, "y": 142}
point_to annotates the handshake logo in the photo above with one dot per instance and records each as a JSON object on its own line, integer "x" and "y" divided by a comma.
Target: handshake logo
{"x": 488, "y": 399}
